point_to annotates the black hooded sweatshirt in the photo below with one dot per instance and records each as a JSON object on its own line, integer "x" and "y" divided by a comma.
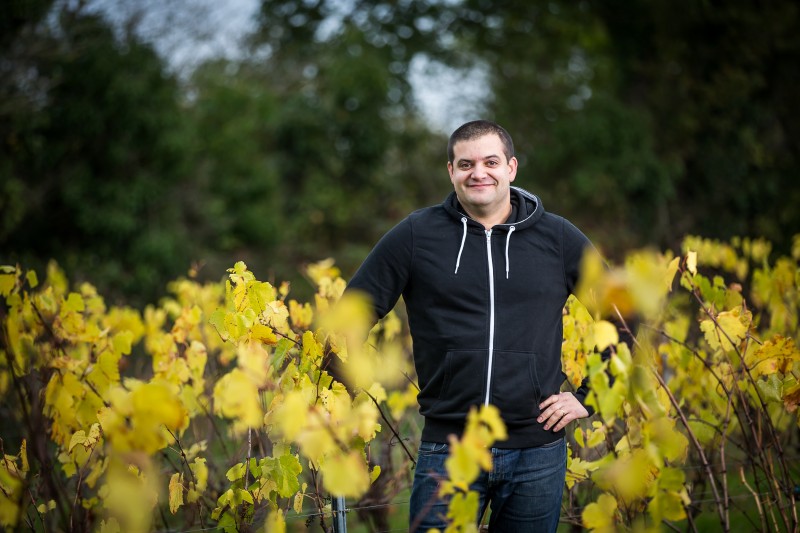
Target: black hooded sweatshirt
{"x": 484, "y": 309}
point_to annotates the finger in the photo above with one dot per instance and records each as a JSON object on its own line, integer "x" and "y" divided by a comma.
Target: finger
{"x": 554, "y": 417}
{"x": 549, "y": 401}
{"x": 566, "y": 419}
{"x": 547, "y": 413}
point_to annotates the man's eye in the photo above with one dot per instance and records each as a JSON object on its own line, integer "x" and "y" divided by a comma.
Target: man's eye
{"x": 491, "y": 163}
{"x": 464, "y": 166}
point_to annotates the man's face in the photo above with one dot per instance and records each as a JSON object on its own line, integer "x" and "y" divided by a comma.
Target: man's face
{"x": 481, "y": 175}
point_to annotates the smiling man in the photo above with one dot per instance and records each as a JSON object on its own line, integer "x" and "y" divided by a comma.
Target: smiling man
{"x": 485, "y": 276}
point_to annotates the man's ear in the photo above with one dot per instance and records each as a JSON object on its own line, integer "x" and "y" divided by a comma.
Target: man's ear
{"x": 513, "y": 163}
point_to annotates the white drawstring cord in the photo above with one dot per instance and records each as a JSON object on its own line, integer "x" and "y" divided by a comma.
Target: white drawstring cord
{"x": 508, "y": 240}
{"x": 463, "y": 238}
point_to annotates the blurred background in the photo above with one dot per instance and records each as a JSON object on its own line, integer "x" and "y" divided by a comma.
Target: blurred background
{"x": 140, "y": 139}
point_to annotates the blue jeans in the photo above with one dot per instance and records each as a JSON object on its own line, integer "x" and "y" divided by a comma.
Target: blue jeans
{"x": 524, "y": 488}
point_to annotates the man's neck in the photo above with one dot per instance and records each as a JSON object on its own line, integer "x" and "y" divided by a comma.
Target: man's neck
{"x": 491, "y": 219}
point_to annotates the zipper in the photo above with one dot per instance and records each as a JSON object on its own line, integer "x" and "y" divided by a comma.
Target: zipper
{"x": 491, "y": 315}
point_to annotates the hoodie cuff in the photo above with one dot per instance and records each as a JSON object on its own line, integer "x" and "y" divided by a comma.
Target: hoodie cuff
{"x": 581, "y": 394}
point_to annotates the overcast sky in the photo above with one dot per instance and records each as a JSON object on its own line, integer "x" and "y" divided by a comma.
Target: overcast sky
{"x": 188, "y": 32}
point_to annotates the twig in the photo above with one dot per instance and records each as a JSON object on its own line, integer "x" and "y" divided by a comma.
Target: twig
{"x": 394, "y": 431}
{"x": 770, "y": 427}
{"x": 756, "y": 498}
{"x": 685, "y": 422}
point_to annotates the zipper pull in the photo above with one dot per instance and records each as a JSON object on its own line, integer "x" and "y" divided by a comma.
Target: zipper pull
{"x": 488, "y": 234}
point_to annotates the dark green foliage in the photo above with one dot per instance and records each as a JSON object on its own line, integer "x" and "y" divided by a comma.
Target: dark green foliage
{"x": 640, "y": 121}
{"x": 687, "y": 129}
{"x": 93, "y": 162}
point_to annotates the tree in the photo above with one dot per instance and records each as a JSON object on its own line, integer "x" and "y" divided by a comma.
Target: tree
{"x": 642, "y": 121}
{"x": 94, "y": 158}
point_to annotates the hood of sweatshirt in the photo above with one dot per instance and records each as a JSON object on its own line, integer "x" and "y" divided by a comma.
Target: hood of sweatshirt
{"x": 526, "y": 210}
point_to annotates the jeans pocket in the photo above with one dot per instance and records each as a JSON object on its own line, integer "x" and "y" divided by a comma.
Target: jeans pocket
{"x": 554, "y": 444}
{"x": 432, "y": 448}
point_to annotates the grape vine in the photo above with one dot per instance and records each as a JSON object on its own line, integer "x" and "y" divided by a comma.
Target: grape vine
{"x": 232, "y": 405}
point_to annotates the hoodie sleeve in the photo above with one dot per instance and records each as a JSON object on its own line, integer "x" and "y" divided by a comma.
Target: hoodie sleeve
{"x": 384, "y": 273}
{"x": 573, "y": 245}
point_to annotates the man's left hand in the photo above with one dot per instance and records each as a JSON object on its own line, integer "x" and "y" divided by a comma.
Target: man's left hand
{"x": 560, "y": 409}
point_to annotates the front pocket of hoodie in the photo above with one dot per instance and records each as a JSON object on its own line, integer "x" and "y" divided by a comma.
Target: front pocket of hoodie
{"x": 465, "y": 376}
{"x": 515, "y": 386}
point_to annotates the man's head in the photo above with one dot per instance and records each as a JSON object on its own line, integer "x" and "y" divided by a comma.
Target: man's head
{"x": 478, "y": 128}
{"x": 481, "y": 168}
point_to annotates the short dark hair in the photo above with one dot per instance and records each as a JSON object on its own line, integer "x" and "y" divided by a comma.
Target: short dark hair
{"x": 476, "y": 129}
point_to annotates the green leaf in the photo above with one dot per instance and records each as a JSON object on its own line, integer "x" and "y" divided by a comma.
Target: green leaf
{"x": 245, "y": 496}
{"x": 235, "y": 472}
{"x": 666, "y": 506}
{"x": 771, "y": 388}
{"x": 218, "y": 321}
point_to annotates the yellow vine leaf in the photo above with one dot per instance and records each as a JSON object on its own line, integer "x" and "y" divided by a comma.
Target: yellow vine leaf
{"x": 322, "y": 270}
{"x": 464, "y": 464}
{"x": 254, "y": 362}
{"x": 312, "y": 349}
{"x": 23, "y": 456}
{"x": 669, "y": 443}
{"x": 198, "y": 486}
{"x": 691, "y": 261}
{"x": 44, "y": 508}
{"x": 156, "y": 404}
{"x": 778, "y": 354}
{"x": 138, "y": 415}
{"x": 110, "y": 526}
{"x": 579, "y": 470}
{"x": 130, "y": 495}
{"x": 291, "y": 414}
{"x": 297, "y": 503}
{"x": 301, "y": 315}
{"x": 263, "y": 333}
{"x": 489, "y": 417}
{"x": 471, "y": 453}
{"x": 600, "y": 515}
{"x": 81, "y": 438}
{"x": 8, "y": 279}
{"x": 630, "y": 477}
{"x": 791, "y": 397}
{"x": 11, "y": 481}
{"x": 732, "y": 329}
{"x": 399, "y": 401}
{"x": 391, "y": 325}
{"x": 605, "y": 334}
{"x": 236, "y": 397}
{"x": 363, "y": 417}
{"x": 277, "y": 316}
{"x": 649, "y": 279}
{"x": 275, "y": 523}
{"x": 175, "y": 492}
{"x": 671, "y": 498}
{"x": 462, "y": 511}
{"x": 345, "y": 474}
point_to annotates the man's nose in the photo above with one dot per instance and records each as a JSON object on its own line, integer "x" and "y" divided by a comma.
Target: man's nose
{"x": 479, "y": 171}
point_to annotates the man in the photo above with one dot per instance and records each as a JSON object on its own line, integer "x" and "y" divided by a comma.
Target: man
{"x": 485, "y": 277}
